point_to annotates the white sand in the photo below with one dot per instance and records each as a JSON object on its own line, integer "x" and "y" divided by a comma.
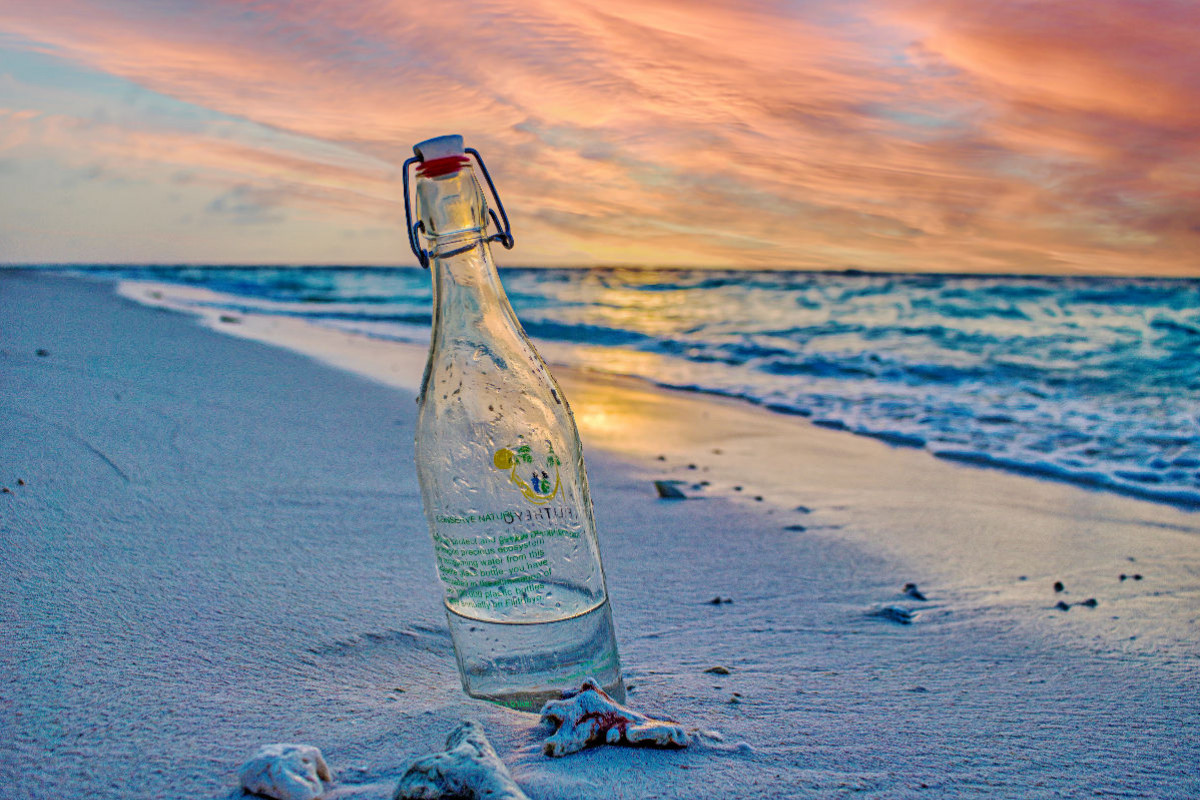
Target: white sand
{"x": 219, "y": 545}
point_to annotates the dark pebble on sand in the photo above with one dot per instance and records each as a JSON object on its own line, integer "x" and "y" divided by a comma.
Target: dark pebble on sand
{"x": 691, "y": 466}
{"x": 662, "y": 458}
{"x": 7, "y": 490}
{"x": 1058, "y": 586}
{"x": 20, "y": 481}
{"x": 895, "y": 614}
{"x": 667, "y": 491}
{"x": 758, "y": 497}
{"x": 1022, "y": 577}
{"x": 227, "y": 318}
{"x": 718, "y": 600}
{"x": 42, "y": 353}
{"x": 717, "y": 670}
{"x": 794, "y": 528}
{"x": 912, "y": 591}
{"x": 1122, "y": 576}
{"x": 1062, "y": 606}
{"x": 1137, "y": 577}
{"x": 803, "y": 510}
{"x": 1090, "y": 603}
{"x": 737, "y": 488}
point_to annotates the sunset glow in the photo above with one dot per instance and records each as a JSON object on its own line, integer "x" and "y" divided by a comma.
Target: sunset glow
{"x": 938, "y": 135}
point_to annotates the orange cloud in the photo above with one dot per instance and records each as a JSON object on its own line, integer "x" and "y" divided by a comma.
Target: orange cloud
{"x": 898, "y": 134}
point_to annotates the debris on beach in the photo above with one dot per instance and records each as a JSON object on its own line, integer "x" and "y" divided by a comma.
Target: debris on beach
{"x": 897, "y": 614}
{"x": 911, "y": 590}
{"x": 468, "y": 768}
{"x": 590, "y": 717}
{"x": 1091, "y": 602}
{"x": 667, "y": 490}
{"x": 286, "y": 772}
{"x": 717, "y": 670}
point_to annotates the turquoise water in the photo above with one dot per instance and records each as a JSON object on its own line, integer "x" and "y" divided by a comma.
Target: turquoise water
{"x": 1091, "y": 380}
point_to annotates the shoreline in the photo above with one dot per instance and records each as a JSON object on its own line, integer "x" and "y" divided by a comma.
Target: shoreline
{"x": 219, "y": 544}
{"x": 644, "y": 366}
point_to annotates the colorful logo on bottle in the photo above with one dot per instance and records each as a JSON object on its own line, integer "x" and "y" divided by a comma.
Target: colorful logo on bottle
{"x": 536, "y": 485}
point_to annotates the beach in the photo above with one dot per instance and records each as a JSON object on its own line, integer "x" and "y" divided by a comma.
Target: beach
{"x": 216, "y": 542}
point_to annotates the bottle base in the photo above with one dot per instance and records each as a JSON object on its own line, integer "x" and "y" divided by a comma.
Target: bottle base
{"x": 521, "y": 665}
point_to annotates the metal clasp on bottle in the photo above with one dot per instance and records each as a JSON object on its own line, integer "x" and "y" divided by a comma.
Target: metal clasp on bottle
{"x": 503, "y": 233}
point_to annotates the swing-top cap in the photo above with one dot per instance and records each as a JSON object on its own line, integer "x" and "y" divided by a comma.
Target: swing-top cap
{"x": 441, "y": 155}
{"x": 439, "y": 147}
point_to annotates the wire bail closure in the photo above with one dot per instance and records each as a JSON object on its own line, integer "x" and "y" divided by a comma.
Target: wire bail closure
{"x": 503, "y": 233}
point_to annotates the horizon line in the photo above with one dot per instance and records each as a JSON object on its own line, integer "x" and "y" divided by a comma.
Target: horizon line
{"x": 848, "y": 271}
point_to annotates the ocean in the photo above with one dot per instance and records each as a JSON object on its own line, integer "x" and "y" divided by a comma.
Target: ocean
{"x": 1084, "y": 379}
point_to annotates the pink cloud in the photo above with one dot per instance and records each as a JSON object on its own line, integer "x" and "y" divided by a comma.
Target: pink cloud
{"x": 897, "y": 134}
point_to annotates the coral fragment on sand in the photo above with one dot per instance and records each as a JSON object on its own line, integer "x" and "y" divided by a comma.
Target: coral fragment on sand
{"x": 591, "y": 717}
{"x": 286, "y": 772}
{"x": 468, "y": 769}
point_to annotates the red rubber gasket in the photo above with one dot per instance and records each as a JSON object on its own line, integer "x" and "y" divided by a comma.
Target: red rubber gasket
{"x": 442, "y": 166}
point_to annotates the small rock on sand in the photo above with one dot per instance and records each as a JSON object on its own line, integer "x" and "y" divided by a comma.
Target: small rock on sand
{"x": 1058, "y": 586}
{"x": 897, "y": 614}
{"x": 1062, "y": 606}
{"x": 718, "y": 670}
{"x": 668, "y": 491}
{"x": 912, "y": 591}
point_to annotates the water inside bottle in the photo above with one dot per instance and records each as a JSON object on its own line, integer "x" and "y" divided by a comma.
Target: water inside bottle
{"x": 523, "y": 664}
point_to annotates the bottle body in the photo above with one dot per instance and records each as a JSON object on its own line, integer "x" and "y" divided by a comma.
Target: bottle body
{"x": 504, "y": 487}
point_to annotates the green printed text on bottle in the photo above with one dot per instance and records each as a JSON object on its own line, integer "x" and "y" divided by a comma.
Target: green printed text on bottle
{"x": 490, "y": 568}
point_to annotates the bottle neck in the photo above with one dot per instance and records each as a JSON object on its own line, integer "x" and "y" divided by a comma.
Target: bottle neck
{"x": 466, "y": 289}
{"x": 465, "y": 283}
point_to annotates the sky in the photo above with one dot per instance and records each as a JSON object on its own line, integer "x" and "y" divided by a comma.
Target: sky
{"x": 1056, "y": 136}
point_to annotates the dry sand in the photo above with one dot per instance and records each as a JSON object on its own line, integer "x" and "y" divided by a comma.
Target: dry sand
{"x": 219, "y": 544}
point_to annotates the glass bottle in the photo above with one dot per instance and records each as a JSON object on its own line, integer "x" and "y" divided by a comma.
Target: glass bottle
{"x": 501, "y": 466}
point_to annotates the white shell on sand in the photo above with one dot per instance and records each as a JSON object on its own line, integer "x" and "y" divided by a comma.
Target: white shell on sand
{"x": 286, "y": 772}
{"x": 468, "y": 768}
{"x": 590, "y": 717}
